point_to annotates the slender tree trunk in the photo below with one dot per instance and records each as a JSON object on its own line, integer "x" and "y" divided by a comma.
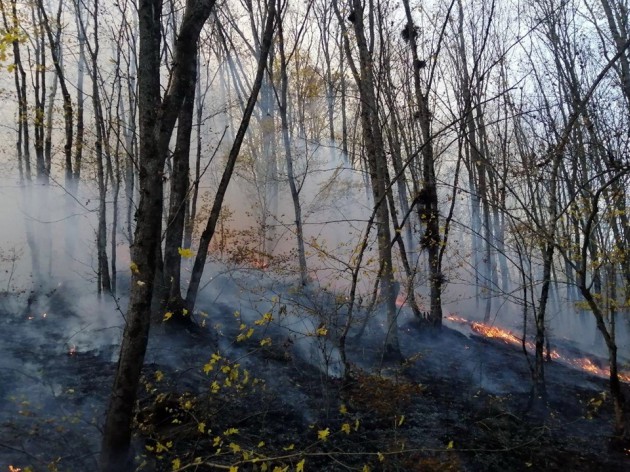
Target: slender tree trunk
{"x": 177, "y": 206}
{"x": 23, "y": 140}
{"x": 208, "y": 233}
{"x": 295, "y": 193}
{"x": 429, "y": 212}
{"x": 191, "y": 204}
{"x": 377, "y": 166}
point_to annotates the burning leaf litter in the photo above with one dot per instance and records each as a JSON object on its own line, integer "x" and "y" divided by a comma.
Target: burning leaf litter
{"x": 494, "y": 332}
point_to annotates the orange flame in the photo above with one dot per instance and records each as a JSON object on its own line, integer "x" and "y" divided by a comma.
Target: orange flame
{"x": 494, "y": 332}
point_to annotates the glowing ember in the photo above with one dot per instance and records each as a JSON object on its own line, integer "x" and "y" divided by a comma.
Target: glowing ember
{"x": 494, "y": 332}
{"x": 456, "y": 319}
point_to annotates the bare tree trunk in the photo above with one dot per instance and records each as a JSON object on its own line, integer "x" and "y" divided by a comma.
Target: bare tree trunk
{"x": 78, "y": 142}
{"x": 429, "y": 211}
{"x": 191, "y": 204}
{"x": 208, "y": 233}
{"x": 157, "y": 119}
{"x": 23, "y": 139}
{"x": 293, "y": 186}
{"x": 617, "y": 16}
{"x": 67, "y": 100}
{"x": 177, "y": 206}
{"x": 377, "y": 166}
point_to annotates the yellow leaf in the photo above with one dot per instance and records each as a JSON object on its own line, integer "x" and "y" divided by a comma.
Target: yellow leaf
{"x": 356, "y": 425}
{"x": 185, "y": 253}
{"x": 215, "y": 387}
{"x": 290, "y": 447}
{"x": 366, "y": 468}
{"x": 265, "y": 342}
{"x": 323, "y": 434}
{"x": 207, "y": 368}
{"x": 264, "y": 467}
{"x": 401, "y": 420}
{"x": 261, "y": 444}
{"x": 450, "y": 445}
{"x": 201, "y": 427}
{"x": 167, "y": 316}
{"x": 176, "y": 463}
{"x": 266, "y": 319}
{"x": 134, "y": 268}
{"x": 300, "y": 466}
{"x": 321, "y": 331}
{"x": 343, "y": 410}
{"x": 159, "y": 447}
{"x": 230, "y": 431}
{"x": 216, "y": 441}
{"x": 381, "y": 457}
{"x": 345, "y": 428}
{"x": 187, "y": 405}
{"x": 159, "y": 375}
{"x": 235, "y": 447}
{"x": 233, "y": 468}
{"x": 184, "y": 312}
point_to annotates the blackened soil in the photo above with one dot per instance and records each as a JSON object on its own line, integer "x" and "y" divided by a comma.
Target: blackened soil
{"x": 457, "y": 404}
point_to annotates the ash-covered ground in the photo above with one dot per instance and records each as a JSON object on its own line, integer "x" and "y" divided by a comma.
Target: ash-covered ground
{"x": 260, "y": 385}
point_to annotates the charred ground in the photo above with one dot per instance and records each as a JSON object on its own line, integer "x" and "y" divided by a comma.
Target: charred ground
{"x": 458, "y": 403}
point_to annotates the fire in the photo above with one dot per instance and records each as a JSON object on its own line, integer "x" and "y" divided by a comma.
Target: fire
{"x": 494, "y": 332}
{"x": 583, "y": 363}
{"x": 456, "y": 319}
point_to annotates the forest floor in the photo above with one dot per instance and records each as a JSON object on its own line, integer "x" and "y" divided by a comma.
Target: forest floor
{"x": 459, "y": 402}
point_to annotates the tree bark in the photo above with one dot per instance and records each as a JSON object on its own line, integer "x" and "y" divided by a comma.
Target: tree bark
{"x": 177, "y": 206}
{"x": 208, "y": 233}
{"x": 377, "y": 167}
{"x": 295, "y": 192}
{"x": 157, "y": 119}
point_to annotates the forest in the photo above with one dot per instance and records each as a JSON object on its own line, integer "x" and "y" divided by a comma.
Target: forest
{"x": 352, "y": 235}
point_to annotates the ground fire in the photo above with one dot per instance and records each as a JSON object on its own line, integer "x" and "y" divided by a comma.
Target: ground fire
{"x": 494, "y": 332}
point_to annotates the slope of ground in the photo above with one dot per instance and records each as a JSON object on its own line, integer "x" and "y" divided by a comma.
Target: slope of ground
{"x": 251, "y": 391}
